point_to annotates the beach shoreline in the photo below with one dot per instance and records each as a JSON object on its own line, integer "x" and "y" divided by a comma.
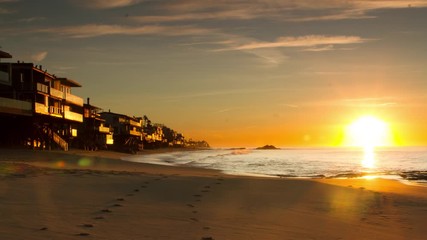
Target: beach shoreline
{"x": 67, "y": 195}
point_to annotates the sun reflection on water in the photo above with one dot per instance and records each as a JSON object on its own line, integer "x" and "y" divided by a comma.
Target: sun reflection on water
{"x": 368, "y": 157}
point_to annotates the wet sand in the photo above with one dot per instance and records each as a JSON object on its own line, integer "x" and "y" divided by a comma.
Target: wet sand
{"x": 95, "y": 195}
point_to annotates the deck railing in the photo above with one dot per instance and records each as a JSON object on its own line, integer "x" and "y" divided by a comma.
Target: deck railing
{"x": 10, "y": 105}
{"x": 104, "y": 129}
{"x": 56, "y": 93}
{"x": 74, "y": 99}
{"x": 73, "y": 116}
{"x": 42, "y": 88}
{"x": 41, "y": 108}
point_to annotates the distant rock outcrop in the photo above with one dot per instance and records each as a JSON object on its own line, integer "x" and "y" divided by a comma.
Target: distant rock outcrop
{"x": 267, "y": 147}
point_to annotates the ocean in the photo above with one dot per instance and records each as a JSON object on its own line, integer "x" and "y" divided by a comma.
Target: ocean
{"x": 396, "y": 163}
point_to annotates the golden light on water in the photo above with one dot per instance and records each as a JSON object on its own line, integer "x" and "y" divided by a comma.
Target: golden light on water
{"x": 368, "y": 132}
{"x": 368, "y": 157}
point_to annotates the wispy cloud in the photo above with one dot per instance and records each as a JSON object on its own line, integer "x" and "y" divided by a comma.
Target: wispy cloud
{"x": 363, "y": 102}
{"x": 8, "y": 1}
{"x": 217, "y": 93}
{"x": 302, "y": 41}
{"x": 38, "y": 57}
{"x": 32, "y": 19}
{"x": 224, "y": 14}
{"x": 320, "y": 49}
{"x": 289, "y": 105}
{"x": 4, "y": 11}
{"x": 224, "y": 110}
{"x": 95, "y": 30}
{"x": 369, "y": 102}
{"x": 105, "y": 4}
{"x": 286, "y": 10}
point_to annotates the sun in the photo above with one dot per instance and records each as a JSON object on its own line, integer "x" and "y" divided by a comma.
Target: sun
{"x": 368, "y": 132}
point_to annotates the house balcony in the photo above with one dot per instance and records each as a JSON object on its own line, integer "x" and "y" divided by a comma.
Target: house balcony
{"x": 73, "y": 116}
{"x": 41, "y": 108}
{"x": 55, "y": 112}
{"x": 13, "y": 106}
{"x": 103, "y": 129}
{"x": 135, "y": 133}
{"x": 56, "y": 93}
{"x": 42, "y": 88}
{"x": 74, "y": 99}
{"x": 135, "y": 123}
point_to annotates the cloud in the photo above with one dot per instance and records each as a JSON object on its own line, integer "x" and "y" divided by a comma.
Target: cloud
{"x": 302, "y": 41}
{"x": 225, "y": 110}
{"x": 38, "y": 57}
{"x": 219, "y": 93}
{"x": 320, "y": 49}
{"x": 95, "y": 30}
{"x": 285, "y": 10}
{"x": 369, "y": 102}
{"x": 4, "y": 11}
{"x": 105, "y": 4}
{"x": 214, "y": 15}
{"x": 32, "y": 19}
{"x": 289, "y": 105}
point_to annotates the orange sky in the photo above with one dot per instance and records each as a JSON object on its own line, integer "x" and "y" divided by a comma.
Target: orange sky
{"x": 240, "y": 73}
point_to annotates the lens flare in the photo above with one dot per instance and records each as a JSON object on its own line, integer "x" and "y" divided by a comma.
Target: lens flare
{"x": 85, "y": 162}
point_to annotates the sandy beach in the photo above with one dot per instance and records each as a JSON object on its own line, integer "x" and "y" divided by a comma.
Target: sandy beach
{"x": 95, "y": 195}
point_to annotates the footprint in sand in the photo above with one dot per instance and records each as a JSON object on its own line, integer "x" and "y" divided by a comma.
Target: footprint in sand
{"x": 117, "y": 205}
{"x": 87, "y": 225}
{"x": 43, "y": 229}
{"x": 207, "y": 238}
{"x": 120, "y": 199}
{"x": 194, "y": 219}
{"x": 99, "y": 218}
{"x": 106, "y": 210}
{"x": 190, "y": 205}
{"x": 83, "y": 234}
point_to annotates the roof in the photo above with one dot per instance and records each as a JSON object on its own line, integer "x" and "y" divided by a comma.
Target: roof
{"x": 69, "y": 82}
{"x": 91, "y": 106}
{"x": 5, "y": 54}
{"x": 117, "y": 114}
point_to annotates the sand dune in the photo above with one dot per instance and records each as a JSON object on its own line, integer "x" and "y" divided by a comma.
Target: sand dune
{"x": 95, "y": 195}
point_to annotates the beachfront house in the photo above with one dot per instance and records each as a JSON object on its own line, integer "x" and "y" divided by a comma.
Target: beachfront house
{"x": 128, "y": 133}
{"x": 153, "y": 134}
{"x": 38, "y": 108}
{"x": 94, "y": 133}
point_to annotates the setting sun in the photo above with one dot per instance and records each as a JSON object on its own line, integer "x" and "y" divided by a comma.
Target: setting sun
{"x": 368, "y": 132}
